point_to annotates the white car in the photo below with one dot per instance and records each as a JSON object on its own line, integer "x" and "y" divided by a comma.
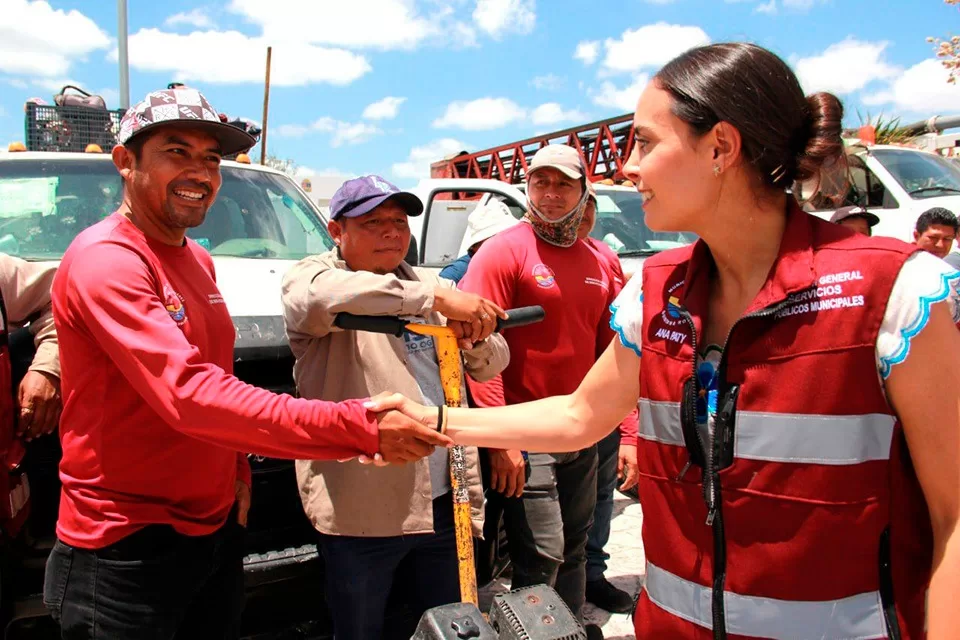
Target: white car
{"x": 898, "y": 184}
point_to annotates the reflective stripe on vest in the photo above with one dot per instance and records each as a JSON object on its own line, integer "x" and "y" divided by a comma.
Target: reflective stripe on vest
{"x": 784, "y": 437}
{"x": 858, "y": 617}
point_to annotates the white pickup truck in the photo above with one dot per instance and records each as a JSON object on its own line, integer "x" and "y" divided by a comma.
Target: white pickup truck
{"x": 898, "y": 184}
{"x": 438, "y": 234}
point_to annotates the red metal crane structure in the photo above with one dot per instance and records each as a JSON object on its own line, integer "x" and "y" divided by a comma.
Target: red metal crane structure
{"x": 604, "y": 147}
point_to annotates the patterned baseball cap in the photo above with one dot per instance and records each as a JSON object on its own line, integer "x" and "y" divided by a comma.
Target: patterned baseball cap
{"x": 183, "y": 106}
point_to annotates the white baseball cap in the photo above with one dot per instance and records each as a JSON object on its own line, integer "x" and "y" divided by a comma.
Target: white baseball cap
{"x": 487, "y": 220}
{"x": 561, "y": 157}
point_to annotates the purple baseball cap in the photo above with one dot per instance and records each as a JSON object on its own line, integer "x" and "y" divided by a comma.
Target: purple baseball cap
{"x": 362, "y": 195}
{"x": 182, "y": 106}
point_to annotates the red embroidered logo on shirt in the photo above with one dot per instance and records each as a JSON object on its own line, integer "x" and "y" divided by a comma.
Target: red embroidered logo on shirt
{"x": 173, "y": 302}
{"x": 544, "y": 276}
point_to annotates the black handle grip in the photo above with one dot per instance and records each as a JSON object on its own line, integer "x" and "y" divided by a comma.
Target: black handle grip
{"x": 521, "y": 317}
{"x": 391, "y": 325}
{"x": 394, "y": 326}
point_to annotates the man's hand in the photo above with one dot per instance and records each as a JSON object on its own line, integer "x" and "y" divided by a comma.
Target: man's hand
{"x": 508, "y": 472}
{"x": 471, "y": 317}
{"x": 243, "y": 502}
{"x": 40, "y": 404}
{"x": 627, "y": 466}
{"x": 404, "y": 438}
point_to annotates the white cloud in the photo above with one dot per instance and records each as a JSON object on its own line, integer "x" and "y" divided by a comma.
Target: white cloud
{"x": 497, "y": 17}
{"x": 480, "y": 114}
{"x": 587, "y": 52}
{"x": 652, "y": 45}
{"x": 921, "y": 90}
{"x": 385, "y": 109}
{"x": 879, "y": 98}
{"x": 768, "y": 8}
{"x": 376, "y": 24}
{"x": 845, "y": 67}
{"x": 624, "y": 99}
{"x": 417, "y": 164}
{"x": 349, "y": 133}
{"x": 194, "y": 18}
{"x": 230, "y": 57}
{"x": 111, "y": 97}
{"x": 37, "y": 40}
{"x": 548, "y": 82}
{"x": 53, "y": 85}
{"x": 553, "y": 113}
{"x": 306, "y": 172}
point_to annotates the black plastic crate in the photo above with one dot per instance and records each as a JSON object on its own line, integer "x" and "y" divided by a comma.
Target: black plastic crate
{"x": 53, "y": 128}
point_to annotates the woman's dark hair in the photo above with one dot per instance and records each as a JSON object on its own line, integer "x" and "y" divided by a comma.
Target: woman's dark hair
{"x": 786, "y": 136}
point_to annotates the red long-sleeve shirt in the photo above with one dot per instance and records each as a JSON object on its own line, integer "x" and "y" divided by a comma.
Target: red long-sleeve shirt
{"x": 153, "y": 417}
{"x": 574, "y": 285}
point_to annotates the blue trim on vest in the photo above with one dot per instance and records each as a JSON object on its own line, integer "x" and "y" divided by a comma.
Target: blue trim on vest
{"x": 619, "y": 329}
{"x": 907, "y": 334}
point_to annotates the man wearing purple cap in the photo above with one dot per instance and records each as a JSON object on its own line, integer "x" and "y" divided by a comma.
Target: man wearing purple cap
{"x": 372, "y": 519}
{"x": 155, "y": 495}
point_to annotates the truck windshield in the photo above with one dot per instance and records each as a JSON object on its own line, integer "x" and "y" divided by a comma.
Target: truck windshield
{"x": 922, "y": 175}
{"x": 621, "y": 226}
{"x": 44, "y": 204}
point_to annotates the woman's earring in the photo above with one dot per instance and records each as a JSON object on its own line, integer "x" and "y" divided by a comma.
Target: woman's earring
{"x": 716, "y": 171}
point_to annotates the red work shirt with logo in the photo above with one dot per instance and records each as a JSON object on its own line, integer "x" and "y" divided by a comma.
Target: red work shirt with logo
{"x": 575, "y": 287}
{"x": 153, "y": 417}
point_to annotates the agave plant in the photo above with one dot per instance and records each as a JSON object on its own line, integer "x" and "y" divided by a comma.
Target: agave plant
{"x": 888, "y": 130}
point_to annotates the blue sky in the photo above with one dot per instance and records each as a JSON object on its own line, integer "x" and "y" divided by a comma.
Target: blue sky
{"x": 387, "y": 86}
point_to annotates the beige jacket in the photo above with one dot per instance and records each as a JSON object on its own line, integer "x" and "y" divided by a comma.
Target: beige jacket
{"x": 26, "y": 296}
{"x": 347, "y": 498}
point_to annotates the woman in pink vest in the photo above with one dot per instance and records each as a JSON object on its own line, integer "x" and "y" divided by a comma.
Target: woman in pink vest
{"x": 798, "y": 383}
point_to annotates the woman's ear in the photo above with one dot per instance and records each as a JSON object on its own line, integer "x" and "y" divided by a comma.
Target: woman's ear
{"x": 725, "y": 146}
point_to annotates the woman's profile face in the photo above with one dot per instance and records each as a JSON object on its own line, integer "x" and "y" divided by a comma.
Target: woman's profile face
{"x": 672, "y": 168}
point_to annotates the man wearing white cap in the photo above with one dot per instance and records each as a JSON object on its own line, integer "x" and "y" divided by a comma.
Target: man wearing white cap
{"x": 544, "y": 263}
{"x": 487, "y": 220}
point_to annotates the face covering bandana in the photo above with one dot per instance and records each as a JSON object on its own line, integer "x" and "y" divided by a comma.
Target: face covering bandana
{"x": 561, "y": 232}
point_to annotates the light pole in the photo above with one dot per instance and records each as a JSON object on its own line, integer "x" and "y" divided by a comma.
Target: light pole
{"x": 122, "y": 54}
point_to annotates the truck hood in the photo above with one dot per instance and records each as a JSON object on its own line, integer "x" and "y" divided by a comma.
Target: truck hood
{"x": 251, "y": 289}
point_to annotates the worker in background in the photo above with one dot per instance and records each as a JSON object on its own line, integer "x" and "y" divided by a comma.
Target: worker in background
{"x": 856, "y": 218}
{"x": 544, "y": 263}
{"x": 155, "y": 494}
{"x": 936, "y": 231}
{"x": 32, "y": 408}
{"x": 616, "y": 455}
{"x": 485, "y": 221}
{"x": 25, "y": 300}
{"x": 373, "y": 519}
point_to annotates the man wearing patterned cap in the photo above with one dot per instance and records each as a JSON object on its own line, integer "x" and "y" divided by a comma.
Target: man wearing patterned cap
{"x": 155, "y": 495}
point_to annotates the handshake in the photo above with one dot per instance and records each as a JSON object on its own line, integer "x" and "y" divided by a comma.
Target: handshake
{"x": 408, "y": 431}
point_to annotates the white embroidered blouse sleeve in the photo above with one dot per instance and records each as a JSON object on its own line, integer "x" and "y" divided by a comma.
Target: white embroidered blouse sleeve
{"x": 627, "y": 314}
{"x": 924, "y": 280}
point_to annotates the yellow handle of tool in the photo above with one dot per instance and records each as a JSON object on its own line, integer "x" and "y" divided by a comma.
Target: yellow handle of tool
{"x": 451, "y": 377}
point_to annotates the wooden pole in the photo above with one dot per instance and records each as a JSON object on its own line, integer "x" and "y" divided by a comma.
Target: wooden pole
{"x": 266, "y": 110}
